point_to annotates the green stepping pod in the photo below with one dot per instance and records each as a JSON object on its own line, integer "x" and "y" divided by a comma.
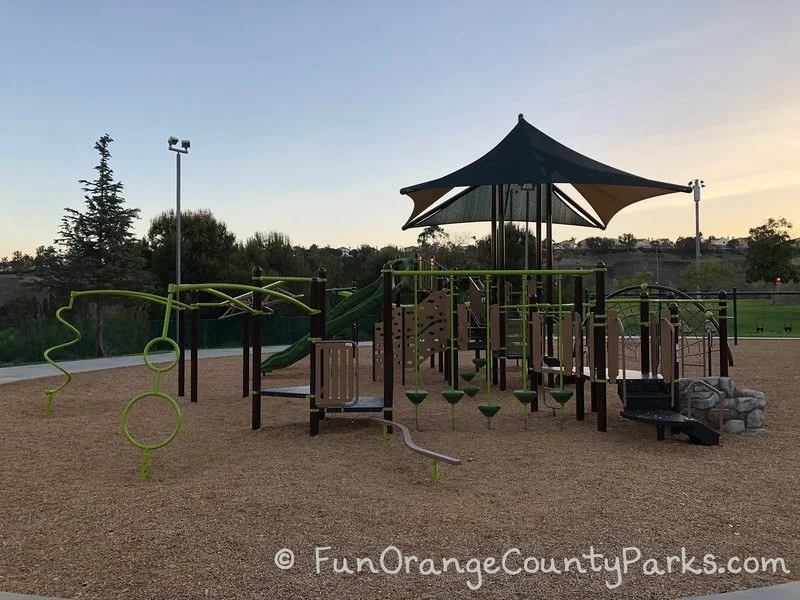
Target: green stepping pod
{"x": 471, "y": 390}
{"x": 467, "y": 375}
{"x": 453, "y": 396}
{"x": 525, "y": 396}
{"x": 479, "y": 363}
{"x": 488, "y": 411}
{"x": 561, "y": 396}
{"x": 416, "y": 396}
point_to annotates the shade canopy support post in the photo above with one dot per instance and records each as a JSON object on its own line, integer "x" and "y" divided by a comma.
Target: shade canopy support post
{"x": 600, "y": 373}
{"x": 255, "y": 402}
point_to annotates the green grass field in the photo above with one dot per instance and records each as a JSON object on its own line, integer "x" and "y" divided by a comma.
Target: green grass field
{"x": 754, "y": 314}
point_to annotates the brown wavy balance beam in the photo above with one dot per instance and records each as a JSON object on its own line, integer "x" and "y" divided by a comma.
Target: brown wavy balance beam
{"x": 435, "y": 456}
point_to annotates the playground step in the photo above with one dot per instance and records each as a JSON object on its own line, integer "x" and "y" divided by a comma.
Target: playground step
{"x": 645, "y": 394}
{"x": 643, "y": 385}
{"x": 697, "y": 432}
{"x": 647, "y": 401}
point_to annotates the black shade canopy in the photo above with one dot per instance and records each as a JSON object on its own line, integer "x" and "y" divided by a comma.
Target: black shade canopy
{"x": 473, "y": 205}
{"x": 528, "y": 156}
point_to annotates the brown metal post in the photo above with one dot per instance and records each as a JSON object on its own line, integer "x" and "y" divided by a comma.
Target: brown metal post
{"x": 538, "y": 254}
{"x": 322, "y": 303}
{"x": 245, "y": 355}
{"x": 580, "y": 409}
{"x": 494, "y": 368}
{"x": 255, "y": 407}
{"x": 181, "y": 335}
{"x": 644, "y": 331}
{"x": 533, "y": 369}
{"x": 439, "y": 287}
{"x": 403, "y": 344}
{"x": 454, "y": 342}
{"x": 592, "y": 384}
{"x": 675, "y": 321}
{"x": 548, "y": 199}
{"x": 723, "y": 333}
{"x": 355, "y": 327}
{"x": 388, "y": 348}
{"x": 501, "y": 289}
{"x": 314, "y": 334}
{"x": 600, "y": 373}
{"x": 194, "y": 342}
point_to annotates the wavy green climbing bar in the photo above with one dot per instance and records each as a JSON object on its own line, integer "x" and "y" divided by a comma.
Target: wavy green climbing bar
{"x": 48, "y": 394}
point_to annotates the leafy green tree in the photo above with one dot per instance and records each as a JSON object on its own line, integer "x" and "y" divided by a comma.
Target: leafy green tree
{"x": 600, "y": 244}
{"x": 770, "y": 251}
{"x": 21, "y": 262}
{"x": 208, "y": 249}
{"x": 274, "y": 253}
{"x": 433, "y": 235}
{"x": 630, "y": 279}
{"x": 686, "y": 245}
{"x": 100, "y": 250}
{"x": 627, "y": 241}
{"x": 712, "y": 274}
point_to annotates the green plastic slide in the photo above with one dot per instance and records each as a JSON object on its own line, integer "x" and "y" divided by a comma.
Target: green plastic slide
{"x": 348, "y": 311}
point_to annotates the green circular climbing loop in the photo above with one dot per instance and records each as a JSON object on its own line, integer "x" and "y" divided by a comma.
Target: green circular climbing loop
{"x": 154, "y": 341}
{"x": 169, "y": 438}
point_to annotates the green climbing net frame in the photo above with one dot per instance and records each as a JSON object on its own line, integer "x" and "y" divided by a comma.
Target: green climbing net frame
{"x": 170, "y": 303}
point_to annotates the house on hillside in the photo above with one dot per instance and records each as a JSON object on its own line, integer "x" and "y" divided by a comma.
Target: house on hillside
{"x": 718, "y": 243}
{"x": 643, "y": 243}
{"x": 345, "y": 252}
{"x": 565, "y": 245}
{"x": 662, "y": 243}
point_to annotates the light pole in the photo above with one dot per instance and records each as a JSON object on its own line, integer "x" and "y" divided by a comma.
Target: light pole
{"x": 696, "y": 185}
{"x": 184, "y": 149}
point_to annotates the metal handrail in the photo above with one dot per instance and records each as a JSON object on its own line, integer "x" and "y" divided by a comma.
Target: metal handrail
{"x": 624, "y": 368}
{"x": 699, "y": 382}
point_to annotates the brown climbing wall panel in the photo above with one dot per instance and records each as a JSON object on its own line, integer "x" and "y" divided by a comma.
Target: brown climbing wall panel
{"x": 434, "y": 330}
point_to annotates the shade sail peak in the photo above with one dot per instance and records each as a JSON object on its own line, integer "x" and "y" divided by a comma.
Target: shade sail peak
{"x": 526, "y": 155}
{"x": 473, "y": 205}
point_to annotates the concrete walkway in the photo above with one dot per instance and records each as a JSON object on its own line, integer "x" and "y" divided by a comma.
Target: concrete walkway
{"x": 10, "y": 596}
{"x": 9, "y": 374}
{"x": 788, "y": 591}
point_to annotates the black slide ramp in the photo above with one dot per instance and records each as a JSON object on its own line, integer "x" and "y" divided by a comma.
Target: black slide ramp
{"x": 697, "y": 432}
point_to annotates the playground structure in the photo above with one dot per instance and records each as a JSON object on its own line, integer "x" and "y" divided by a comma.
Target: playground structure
{"x": 591, "y": 344}
{"x": 592, "y": 341}
{"x": 170, "y": 303}
{"x": 558, "y": 343}
{"x": 332, "y": 362}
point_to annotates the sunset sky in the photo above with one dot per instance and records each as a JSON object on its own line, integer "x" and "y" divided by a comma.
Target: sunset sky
{"x": 308, "y": 117}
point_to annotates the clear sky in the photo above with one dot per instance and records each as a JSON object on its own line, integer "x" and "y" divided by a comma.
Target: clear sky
{"x": 308, "y": 117}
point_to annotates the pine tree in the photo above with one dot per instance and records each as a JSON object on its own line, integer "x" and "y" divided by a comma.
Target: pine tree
{"x": 101, "y": 251}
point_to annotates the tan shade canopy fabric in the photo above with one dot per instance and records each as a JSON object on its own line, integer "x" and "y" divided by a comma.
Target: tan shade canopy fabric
{"x": 528, "y": 156}
{"x": 473, "y": 205}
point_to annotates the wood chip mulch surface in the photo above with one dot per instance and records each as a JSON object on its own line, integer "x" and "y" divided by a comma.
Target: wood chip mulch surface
{"x": 77, "y": 522}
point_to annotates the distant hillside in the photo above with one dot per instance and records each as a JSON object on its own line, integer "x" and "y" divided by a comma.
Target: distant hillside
{"x": 13, "y": 287}
{"x": 668, "y": 264}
